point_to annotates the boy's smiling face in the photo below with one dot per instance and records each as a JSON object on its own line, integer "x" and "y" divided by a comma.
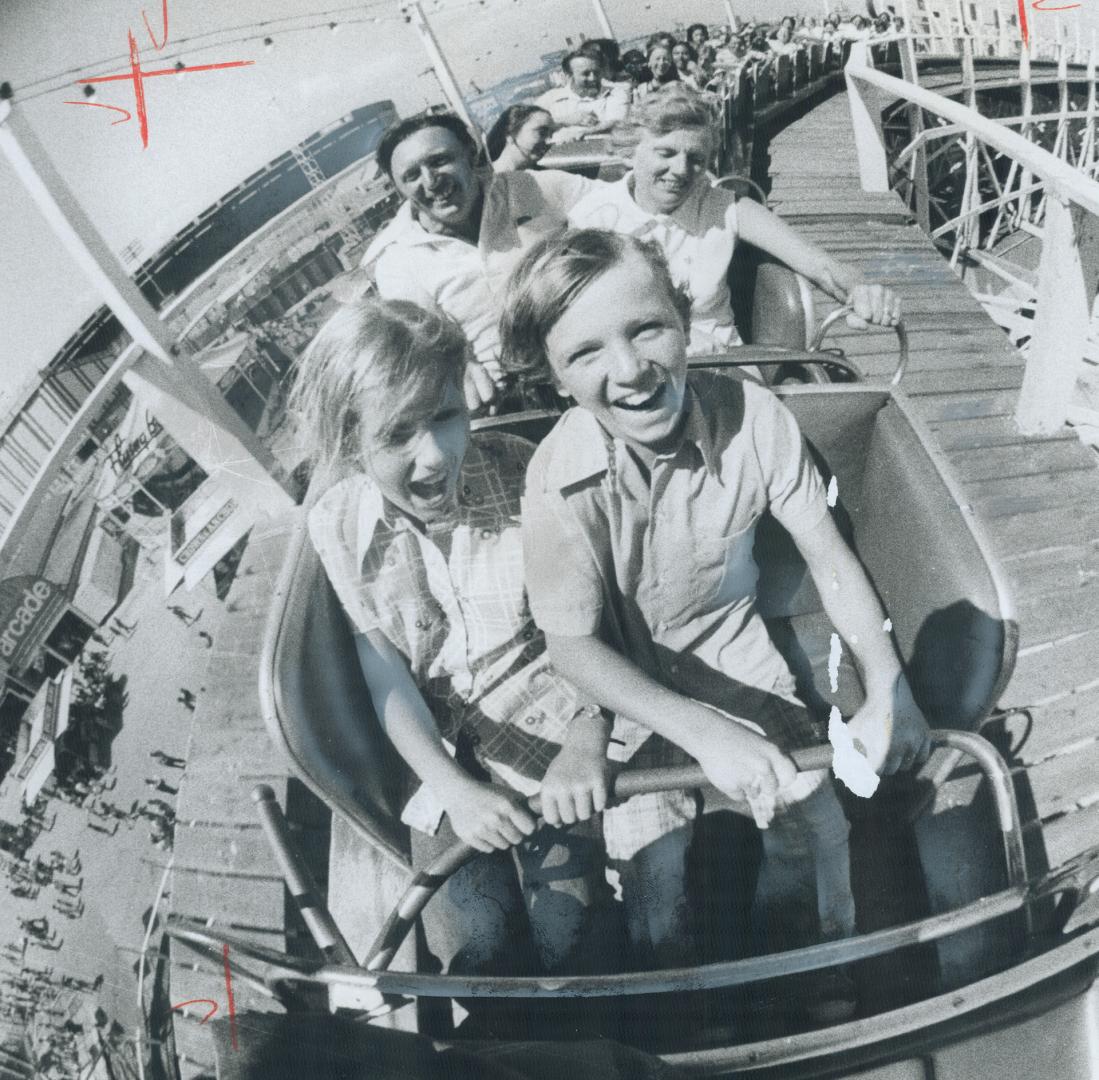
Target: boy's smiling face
{"x": 416, "y": 457}
{"x": 620, "y": 351}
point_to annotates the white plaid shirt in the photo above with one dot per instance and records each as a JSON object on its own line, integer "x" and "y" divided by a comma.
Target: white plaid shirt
{"x": 451, "y": 600}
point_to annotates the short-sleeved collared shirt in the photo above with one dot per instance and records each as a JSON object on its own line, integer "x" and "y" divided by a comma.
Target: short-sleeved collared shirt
{"x": 697, "y": 239}
{"x": 562, "y": 102}
{"x": 451, "y": 600}
{"x": 464, "y": 281}
{"x": 661, "y": 565}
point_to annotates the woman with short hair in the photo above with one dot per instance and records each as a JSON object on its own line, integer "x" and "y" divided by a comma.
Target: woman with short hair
{"x": 662, "y": 70}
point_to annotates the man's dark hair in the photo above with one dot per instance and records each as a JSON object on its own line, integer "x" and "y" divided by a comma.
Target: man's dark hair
{"x": 605, "y": 50}
{"x": 396, "y": 134}
{"x": 578, "y": 54}
{"x": 661, "y": 37}
{"x": 697, "y": 26}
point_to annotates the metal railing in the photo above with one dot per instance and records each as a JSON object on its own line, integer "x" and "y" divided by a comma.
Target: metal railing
{"x": 1007, "y": 185}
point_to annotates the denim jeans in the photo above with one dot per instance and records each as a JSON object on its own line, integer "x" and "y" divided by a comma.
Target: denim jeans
{"x": 804, "y": 890}
{"x": 542, "y": 906}
{"x": 803, "y": 894}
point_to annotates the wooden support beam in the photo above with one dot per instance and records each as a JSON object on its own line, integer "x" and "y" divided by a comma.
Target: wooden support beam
{"x": 866, "y": 119}
{"x": 1060, "y": 324}
{"x": 910, "y": 72}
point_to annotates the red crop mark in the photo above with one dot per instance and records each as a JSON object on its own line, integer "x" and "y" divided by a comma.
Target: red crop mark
{"x": 137, "y": 75}
{"x": 199, "y": 1001}
{"x": 1023, "y": 28}
{"x": 164, "y": 20}
{"x": 139, "y": 90}
{"x": 229, "y": 996}
{"x": 98, "y": 105}
{"x": 214, "y": 1005}
{"x": 1040, "y": 5}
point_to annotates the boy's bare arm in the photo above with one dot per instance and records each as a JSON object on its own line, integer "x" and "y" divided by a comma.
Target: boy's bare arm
{"x": 889, "y": 723}
{"x": 577, "y": 783}
{"x": 736, "y": 760}
{"x": 482, "y": 815}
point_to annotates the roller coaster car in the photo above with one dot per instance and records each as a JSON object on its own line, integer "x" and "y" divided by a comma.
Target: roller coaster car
{"x": 964, "y": 963}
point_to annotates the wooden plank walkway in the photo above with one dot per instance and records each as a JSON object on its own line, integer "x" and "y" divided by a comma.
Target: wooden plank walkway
{"x": 224, "y": 875}
{"x": 1038, "y": 499}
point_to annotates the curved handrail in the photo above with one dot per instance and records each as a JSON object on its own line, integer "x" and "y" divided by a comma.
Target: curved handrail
{"x": 1069, "y": 184}
{"x": 732, "y": 178}
{"x": 843, "y": 312}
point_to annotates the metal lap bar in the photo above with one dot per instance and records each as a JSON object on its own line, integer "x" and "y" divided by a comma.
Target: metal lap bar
{"x": 428, "y": 881}
{"x": 1003, "y": 792}
{"x": 299, "y": 881}
{"x": 776, "y": 356}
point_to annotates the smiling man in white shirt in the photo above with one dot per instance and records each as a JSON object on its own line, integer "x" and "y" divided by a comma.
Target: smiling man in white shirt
{"x": 585, "y": 105}
{"x": 461, "y": 228}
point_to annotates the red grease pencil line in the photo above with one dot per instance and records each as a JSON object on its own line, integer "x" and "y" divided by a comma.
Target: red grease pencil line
{"x": 139, "y": 90}
{"x": 149, "y": 29}
{"x": 168, "y": 71}
{"x": 229, "y": 996}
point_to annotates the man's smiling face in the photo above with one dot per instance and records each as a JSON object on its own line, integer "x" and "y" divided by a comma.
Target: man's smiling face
{"x": 435, "y": 172}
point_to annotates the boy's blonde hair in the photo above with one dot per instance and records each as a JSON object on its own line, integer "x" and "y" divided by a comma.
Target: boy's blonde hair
{"x": 552, "y": 274}
{"x": 389, "y": 356}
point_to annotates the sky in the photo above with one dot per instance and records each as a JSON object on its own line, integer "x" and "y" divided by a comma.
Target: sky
{"x": 208, "y": 130}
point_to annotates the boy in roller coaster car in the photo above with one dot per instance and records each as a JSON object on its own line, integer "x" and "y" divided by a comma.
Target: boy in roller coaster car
{"x": 422, "y": 545}
{"x": 639, "y": 518}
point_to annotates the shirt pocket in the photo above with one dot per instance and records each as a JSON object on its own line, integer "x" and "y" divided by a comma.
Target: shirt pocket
{"x": 418, "y": 626}
{"x": 726, "y": 571}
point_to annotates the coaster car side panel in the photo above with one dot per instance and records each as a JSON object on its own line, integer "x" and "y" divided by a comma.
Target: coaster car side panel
{"x": 916, "y": 537}
{"x": 317, "y": 707}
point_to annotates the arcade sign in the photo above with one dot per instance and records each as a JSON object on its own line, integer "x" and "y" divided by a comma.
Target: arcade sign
{"x": 29, "y": 607}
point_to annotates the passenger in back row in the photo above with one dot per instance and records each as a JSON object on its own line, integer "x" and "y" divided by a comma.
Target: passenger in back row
{"x": 460, "y": 230}
{"x": 638, "y": 522}
{"x": 668, "y": 197}
{"x": 585, "y": 105}
{"x": 422, "y": 545}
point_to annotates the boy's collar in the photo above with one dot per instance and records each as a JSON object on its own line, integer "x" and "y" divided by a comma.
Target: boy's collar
{"x": 581, "y": 450}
